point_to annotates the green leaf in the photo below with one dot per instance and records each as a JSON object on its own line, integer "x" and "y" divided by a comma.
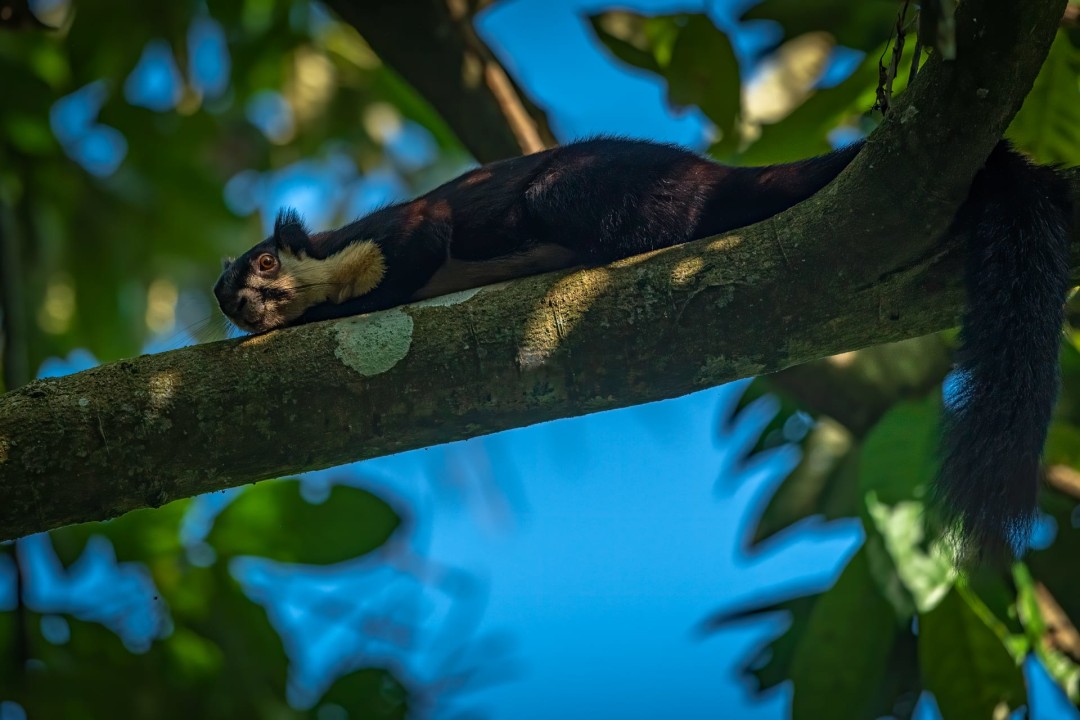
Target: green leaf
{"x": 29, "y": 134}
{"x": 704, "y": 71}
{"x": 695, "y": 58}
{"x": 623, "y": 34}
{"x": 823, "y": 485}
{"x": 661, "y": 32}
{"x": 843, "y": 650}
{"x": 642, "y": 42}
{"x": 927, "y": 576}
{"x": 192, "y": 656}
{"x": 860, "y": 25}
{"x": 898, "y": 458}
{"x": 771, "y": 664}
{"x": 896, "y": 464}
{"x": 1063, "y": 445}
{"x": 271, "y": 520}
{"x": 965, "y": 662}
{"x": 804, "y": 132}
{"x": 149, "y": 535}
{"x": 368, "y": 693}
{"x": 1048, "y": 124}
{"x": 226, "y": 663}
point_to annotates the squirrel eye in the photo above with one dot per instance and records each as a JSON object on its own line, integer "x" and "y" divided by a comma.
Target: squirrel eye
{"x": 266, "y": 262}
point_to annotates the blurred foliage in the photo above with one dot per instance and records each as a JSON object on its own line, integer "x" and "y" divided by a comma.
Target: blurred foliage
{"x": 92, "y": 247}
{"x": 690, "y": 53}
{"x": 1048, "y": 125}
{"x": 109, "y": 259}
{"x": 899, "y": 620}
{"x": 217, "y": 655}
{"x": 101, "y": 250}
{"x": 268, "y": 522}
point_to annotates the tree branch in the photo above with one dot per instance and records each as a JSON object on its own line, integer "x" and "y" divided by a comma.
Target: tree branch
{"x": 432, "y": 44}
{"x": 142, "y": 432}
{"x": 935, "y": 138}
{"x": 844, "y": 270}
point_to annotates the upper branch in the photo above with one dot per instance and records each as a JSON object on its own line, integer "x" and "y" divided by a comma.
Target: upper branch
{"x": 433, "y": 45}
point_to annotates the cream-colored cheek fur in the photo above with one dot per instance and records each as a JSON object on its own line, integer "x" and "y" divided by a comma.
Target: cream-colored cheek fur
{"x": 355, "y": 271}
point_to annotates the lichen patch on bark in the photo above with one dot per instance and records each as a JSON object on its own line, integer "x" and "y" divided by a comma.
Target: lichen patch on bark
{"x": 372, "y": 344}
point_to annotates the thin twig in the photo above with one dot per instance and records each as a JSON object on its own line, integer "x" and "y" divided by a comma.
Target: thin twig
{"x": 527, "y": 124}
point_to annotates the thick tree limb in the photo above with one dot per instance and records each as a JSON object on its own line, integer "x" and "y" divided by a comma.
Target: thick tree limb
{"x": 146, "y": 431}
{"x": 847, "y": 269}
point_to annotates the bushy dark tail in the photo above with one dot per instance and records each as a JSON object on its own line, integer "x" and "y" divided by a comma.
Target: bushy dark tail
{"x": 999, "y": 405}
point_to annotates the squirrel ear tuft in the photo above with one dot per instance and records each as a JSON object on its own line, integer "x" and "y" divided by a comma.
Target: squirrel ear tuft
{"x": 288, "y": 216}
{"x": 290, "y": 232}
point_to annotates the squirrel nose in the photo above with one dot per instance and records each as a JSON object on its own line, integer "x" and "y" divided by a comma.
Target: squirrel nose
{"x": 233, "y": 307}
{"x": 231, "y": 303}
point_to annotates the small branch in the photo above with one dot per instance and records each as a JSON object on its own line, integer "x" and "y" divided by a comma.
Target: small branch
{"x": 1061, "y": 634}
{"x": 525, "y": 120}
{"x": 1064, "y": 479}
{"x": 432, "y": 44}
